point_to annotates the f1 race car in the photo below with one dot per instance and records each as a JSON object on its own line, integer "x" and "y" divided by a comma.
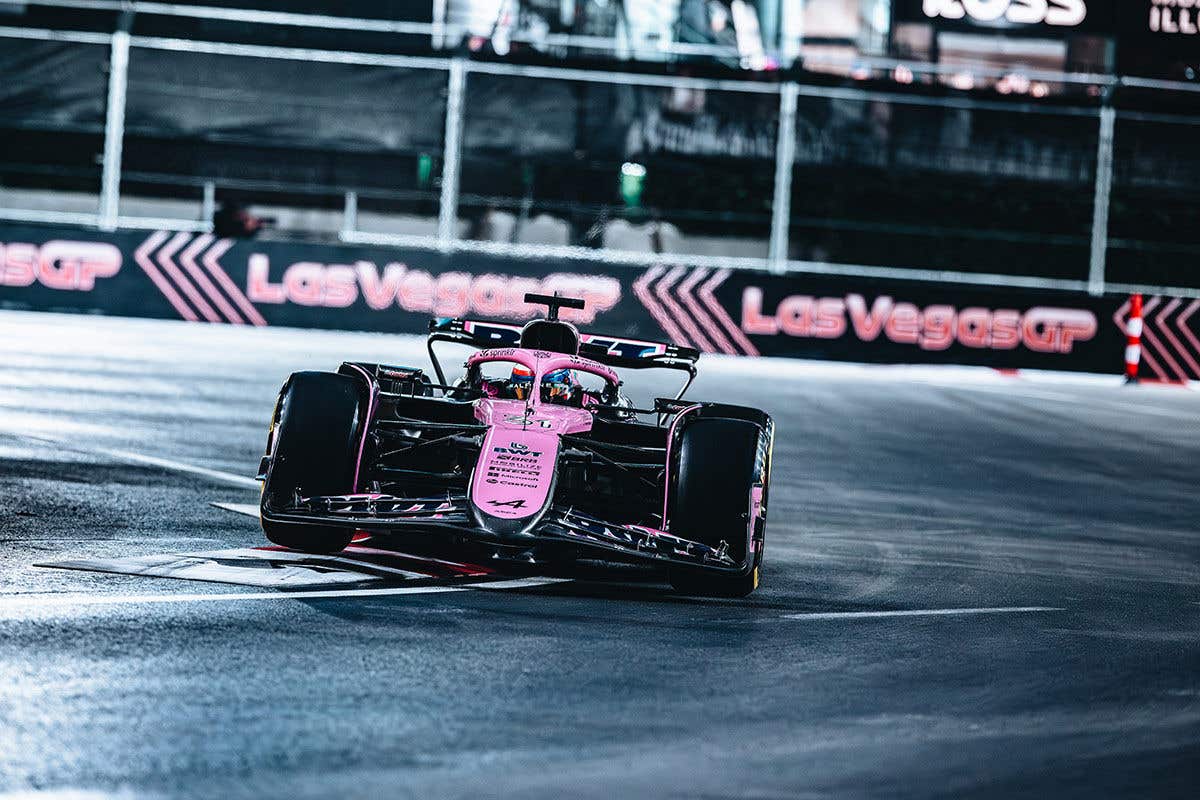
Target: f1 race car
{"x": 534, "y": 458}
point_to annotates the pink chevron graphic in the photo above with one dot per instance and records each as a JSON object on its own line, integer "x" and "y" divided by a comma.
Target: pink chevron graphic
{"x": 1119, "y": 316}
{"x": 662, "y": 292}
{"x": 719, "y": 313}
{"x": 157, "y": 256}
{"x": 1173, "y": 339}
{"x": 681, "y": 300}
{"x": 1186, "y": 330}
{"x": 188, "y": 259}
{"x": 212, "y": 261}
{"x": 142, "y": 257}
{"x": 641, "y": 289}
{"x": 710, "y": 326}
{"x": 165, "y": 260}
{"x": 1163, "y": 351}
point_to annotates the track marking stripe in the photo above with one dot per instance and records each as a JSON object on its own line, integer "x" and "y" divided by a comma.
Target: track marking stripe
{"x": 1031, "y": 394}
{"x": 141, "y": 458}
{"x": 282, "y": 556}
{"x": 245, "y": 509}
{"x": 920, "y": 612}
{"x": 1081, "y": 400}
{"x": 74, "y": 600}
{"x": 177, "y": 466}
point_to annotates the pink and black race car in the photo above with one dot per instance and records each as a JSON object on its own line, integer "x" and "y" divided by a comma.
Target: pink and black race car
{"x": 535, "y": 458}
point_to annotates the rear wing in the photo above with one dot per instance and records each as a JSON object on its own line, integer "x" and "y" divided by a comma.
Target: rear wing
{"x": 614, "y": 351}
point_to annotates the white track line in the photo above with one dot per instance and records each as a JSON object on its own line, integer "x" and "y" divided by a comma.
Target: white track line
{"x": 245, "y": 509}
{"x": 1098, "y": 404}
{"x": 141, "y": 458}
{"x": 178, "y": 466}
{"x": 1035, "y": 394}
{"x": 22, "y": 602}
{"x": 921, "y": 612}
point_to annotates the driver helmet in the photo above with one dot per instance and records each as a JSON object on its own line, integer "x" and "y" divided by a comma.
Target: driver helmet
{"x": 558, "y": 385}
{"x": 521, "y": 382}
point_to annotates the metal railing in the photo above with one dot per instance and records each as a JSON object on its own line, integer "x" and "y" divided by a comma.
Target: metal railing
{"x": 458, "y": 72}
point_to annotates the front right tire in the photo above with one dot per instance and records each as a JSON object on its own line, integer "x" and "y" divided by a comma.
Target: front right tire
{"x": 720, "y": 462}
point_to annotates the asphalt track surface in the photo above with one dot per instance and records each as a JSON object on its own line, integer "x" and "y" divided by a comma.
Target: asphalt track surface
{"x": 895, "y": 490}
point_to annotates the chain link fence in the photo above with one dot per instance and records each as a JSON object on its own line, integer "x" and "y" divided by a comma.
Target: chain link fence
{"x": 550, "y": 161}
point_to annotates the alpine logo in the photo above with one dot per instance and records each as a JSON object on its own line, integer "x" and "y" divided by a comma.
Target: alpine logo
{"x": 507, "y": 503}
{"x": 1066, "y": 13}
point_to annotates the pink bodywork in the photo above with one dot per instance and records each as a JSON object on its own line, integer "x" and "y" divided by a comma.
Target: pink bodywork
{"x": 372, "y": 399}
{"x": 670, "y": 437}
{"x": 514, "y": 476}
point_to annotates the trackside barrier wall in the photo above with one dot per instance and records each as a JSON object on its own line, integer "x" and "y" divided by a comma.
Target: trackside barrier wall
{"x": 200, "y": 278}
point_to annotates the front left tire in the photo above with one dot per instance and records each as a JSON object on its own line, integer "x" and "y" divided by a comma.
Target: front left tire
{"x": 313, "y": 451}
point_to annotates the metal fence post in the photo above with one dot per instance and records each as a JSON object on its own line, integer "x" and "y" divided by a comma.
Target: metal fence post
{"x": 438, "y": 37}
{"x": 448, "y": 210}
{"x": 208, "y": 205}
{"x": 349, "y": 214}
{"x": 114, "y": 131}
{"x": 785, "y": 155}
{"x": 791, "y": 31}
{"x": 1103, "y": 188}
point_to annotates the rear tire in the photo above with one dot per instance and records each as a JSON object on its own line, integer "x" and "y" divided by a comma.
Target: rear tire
{"x": 314, "y": 450}
{"x": 719, "y": 464}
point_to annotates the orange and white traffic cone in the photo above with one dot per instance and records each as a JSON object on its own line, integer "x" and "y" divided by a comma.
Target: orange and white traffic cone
{"x": 1133, "y": 340}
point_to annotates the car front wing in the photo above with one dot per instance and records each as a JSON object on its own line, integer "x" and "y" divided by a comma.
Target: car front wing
{"x": 450, "y": 514}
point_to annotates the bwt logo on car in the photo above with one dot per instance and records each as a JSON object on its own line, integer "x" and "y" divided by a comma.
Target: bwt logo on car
{"x": 935, "y": 327}
{"x": 69, "y": 266}
{"x": 447, "y": 294}
{"x": 1018, "y": 12}
{"x": 519, "y": 451}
